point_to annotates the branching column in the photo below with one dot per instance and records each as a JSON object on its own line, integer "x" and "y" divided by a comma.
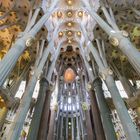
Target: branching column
{"x": 104, "y": 110}
{"x": 106, "y": 73}
{"x": 25, "y": 102}
{"x": 10, "y": 59}
{"x": 117, "y": 38}
{"x": 22, "y": 111}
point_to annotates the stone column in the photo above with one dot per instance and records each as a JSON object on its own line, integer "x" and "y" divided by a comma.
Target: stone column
{"x": 129, "y": 89}
{"x": 25, "y": 101}
{"x": 129, "y": 127}
{"x": 104, "y": 110}
{"x": 44, "y": 122}
{"x": 3, "y": 113}
{"x": 99, "y": 132}
{"x": 22, "y": 111}
{"x": 51, "y": 125}
{"x": 89, "y": 128}
{"x": 106, "y": 73}
{"x": 34, "y": 127}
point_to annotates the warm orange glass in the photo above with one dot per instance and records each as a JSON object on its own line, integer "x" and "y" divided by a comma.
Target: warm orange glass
{"x": 69, "y": 75}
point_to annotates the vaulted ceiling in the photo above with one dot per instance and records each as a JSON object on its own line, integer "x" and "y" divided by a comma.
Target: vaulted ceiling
{"x": 68, "y": 16}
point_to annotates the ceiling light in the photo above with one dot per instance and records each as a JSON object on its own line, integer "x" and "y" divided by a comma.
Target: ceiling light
{"x": 79, "y": 33}
{"x": 60, "y": 34}
{"x": 59, "y": 14}
{"x": 69, "y": 2}
{"x": 69, "y": 24}
{"x": 80, "y": 13}
{"x": 69, "y": 41}
{"x": 69, "y": 33}
{"x": 69, "y": 14}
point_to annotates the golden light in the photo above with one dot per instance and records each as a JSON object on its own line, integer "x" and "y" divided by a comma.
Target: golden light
{"x": 69, "y": 2}
{"x": 59, "y": 14}
{"x": 80, "y": 13}
{"x": 2, "y": 100}
{"x": 69, "y": 24}
{"x": 79, "y": 33}
{"x": 69, "y": 14}
{"x": 69, "y": 33}
{"x": 69, "y": 41}
{"x": 60, "y": 34}
{"x": 69, "y": 75}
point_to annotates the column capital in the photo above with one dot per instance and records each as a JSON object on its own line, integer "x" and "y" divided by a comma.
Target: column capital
{"x": 97, "y": 82}
{"x": 44, "y": 81}
{"x": 104, "y": 73}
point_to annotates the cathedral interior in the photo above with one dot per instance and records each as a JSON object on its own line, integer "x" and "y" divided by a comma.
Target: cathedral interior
{"x": 69, "y": 69}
